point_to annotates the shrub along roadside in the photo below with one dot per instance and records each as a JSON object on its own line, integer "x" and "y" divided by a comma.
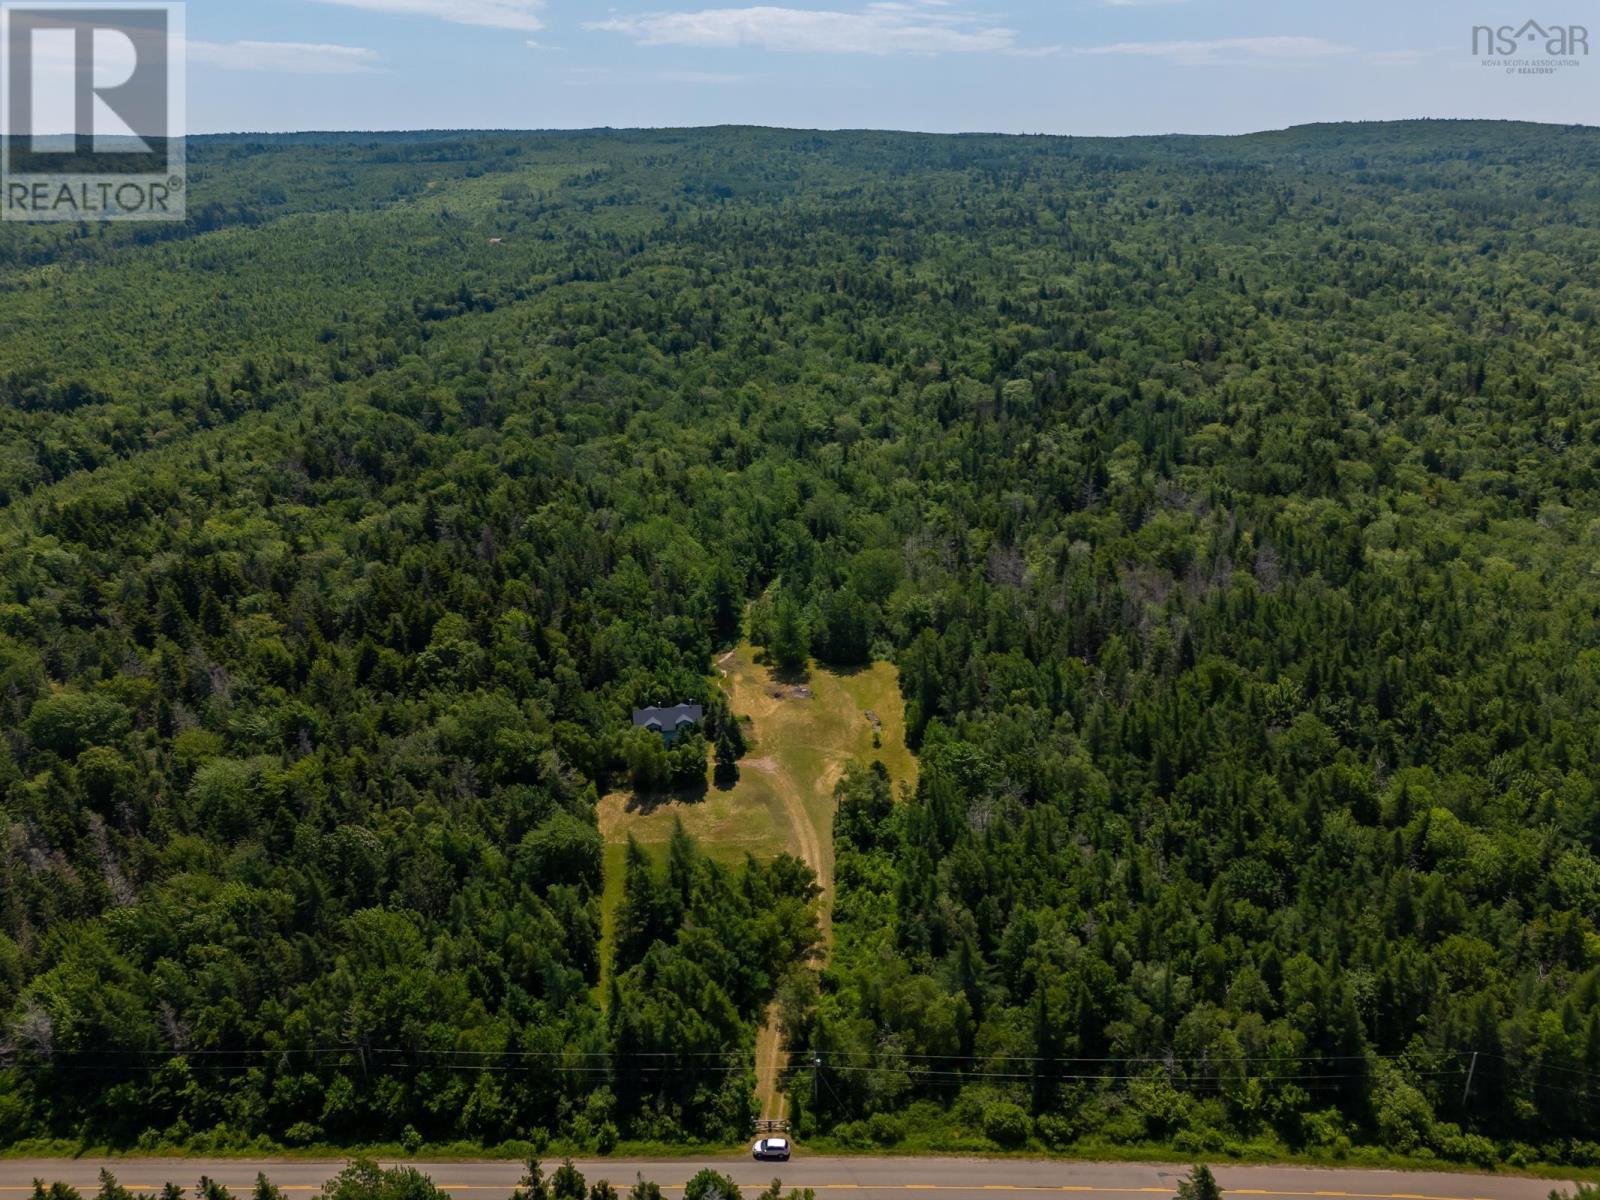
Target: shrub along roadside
{"x": 364, "y": 1179}
{"x": 1200, "y": 1185}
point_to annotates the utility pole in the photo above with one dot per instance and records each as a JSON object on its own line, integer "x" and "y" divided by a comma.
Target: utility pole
{"x": 816, "y": 1071}
{"x": 1471, "y": 1070}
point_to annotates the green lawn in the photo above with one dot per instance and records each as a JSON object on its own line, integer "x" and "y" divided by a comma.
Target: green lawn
{"x": 783, "y": 799}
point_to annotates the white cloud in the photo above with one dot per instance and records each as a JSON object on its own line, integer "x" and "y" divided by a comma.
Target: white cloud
{"x": 883, "y": 28}
{"x": 1224, "y": 50}
{"x": 497, "y": 14}
{"x": 1396, "y": 58}
{"x": 290, "y": 58}
{"x": 587, "y": 75}
{"x": 698, "y": 77}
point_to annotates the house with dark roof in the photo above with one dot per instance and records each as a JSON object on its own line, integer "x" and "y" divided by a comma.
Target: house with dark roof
{"x": 669, "y": 722}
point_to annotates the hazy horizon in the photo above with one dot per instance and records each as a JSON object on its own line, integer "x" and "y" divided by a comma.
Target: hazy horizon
{"x": 846, "y": 129}
{"x": 1089, "y": 68}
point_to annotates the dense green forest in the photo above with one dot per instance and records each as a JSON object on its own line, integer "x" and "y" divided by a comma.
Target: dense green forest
{"x": 1230, "y": 507}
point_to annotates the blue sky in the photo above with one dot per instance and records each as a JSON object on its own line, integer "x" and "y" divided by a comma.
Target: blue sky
{"x": 1021, "y": 66}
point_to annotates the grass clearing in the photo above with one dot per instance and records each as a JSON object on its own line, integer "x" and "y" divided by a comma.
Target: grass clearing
{"x": 803, "y": 733}
{"x": 783, "y": 799}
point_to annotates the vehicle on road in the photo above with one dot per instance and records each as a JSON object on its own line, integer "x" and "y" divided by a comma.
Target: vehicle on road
{"x": 772, "y": 1149}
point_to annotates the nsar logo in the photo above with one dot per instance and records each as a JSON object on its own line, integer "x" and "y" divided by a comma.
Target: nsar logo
{"x": 1531, "y": 48}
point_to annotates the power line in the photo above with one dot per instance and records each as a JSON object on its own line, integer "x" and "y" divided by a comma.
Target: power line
{"x": 1017, "y": 1075}
{"x": 1544, "y": 1066}
{"x": 928, "y": 1069}
{"x": 1062, "y": 1060}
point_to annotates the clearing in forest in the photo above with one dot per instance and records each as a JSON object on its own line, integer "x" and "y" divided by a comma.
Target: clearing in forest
{"x": 802, "y": 734}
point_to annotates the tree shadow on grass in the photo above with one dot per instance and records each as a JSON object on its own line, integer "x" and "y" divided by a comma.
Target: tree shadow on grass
{"x": 802, "y": 675}
{"x": 777, "y": 674}
{"x": 847, "y": 670}
{"x": 645, "y": 803}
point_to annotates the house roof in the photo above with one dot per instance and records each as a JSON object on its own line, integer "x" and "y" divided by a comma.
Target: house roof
{"x": 669, "y": 718}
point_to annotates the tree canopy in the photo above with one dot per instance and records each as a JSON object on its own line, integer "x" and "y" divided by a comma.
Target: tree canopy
{"x": 1229, "y": 506}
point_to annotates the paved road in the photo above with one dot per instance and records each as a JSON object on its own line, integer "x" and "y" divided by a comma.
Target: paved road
{"x": 862, "y": 1178}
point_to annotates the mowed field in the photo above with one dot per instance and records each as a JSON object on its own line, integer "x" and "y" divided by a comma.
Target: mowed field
{"x": 800, "y": 745}
{"x": 803, "y": 733}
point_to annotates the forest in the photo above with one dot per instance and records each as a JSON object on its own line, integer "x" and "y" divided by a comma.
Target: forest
{"x": 1230, "y": 508}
